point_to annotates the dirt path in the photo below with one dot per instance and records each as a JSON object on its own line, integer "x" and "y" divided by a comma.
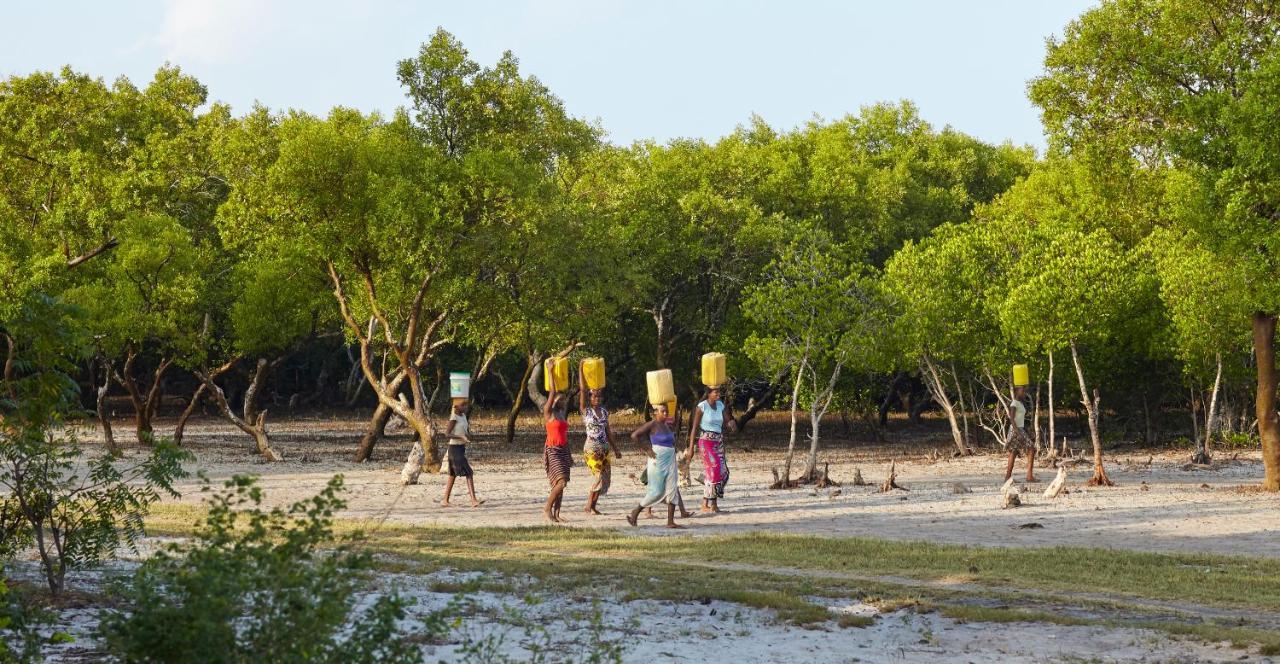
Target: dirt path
{"x": 1157, "y": 506}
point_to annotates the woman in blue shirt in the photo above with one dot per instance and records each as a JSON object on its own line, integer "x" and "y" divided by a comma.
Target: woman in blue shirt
{"x": 709, "y": 422}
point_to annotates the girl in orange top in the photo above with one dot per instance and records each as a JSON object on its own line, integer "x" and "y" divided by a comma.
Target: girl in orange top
{"x": 555, "y": 454}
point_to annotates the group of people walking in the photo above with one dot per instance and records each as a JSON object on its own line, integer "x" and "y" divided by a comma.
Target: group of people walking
{"x": 657, "y": 438}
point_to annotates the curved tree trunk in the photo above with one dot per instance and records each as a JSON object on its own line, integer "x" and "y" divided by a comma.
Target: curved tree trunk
{"x": 533, "y": 360}
{"x": 939, "y": 391}
{"x": 256, "y": 428}
{"x": 1091, "y": 407}
{"x": 1264, "y": 339}
{"x": 756, "y": 404}
{"x": 145, "y": 403}
{"x": 1202, "y": 449}
{"x": 108, "y": 436}
{"x": 1053, "y": 445}
{"x": 791, "y": 445}
{"x": 179, "y": 431}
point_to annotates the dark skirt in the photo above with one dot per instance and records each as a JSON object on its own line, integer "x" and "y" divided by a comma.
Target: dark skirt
{"x": 558, "y": 463}
{"x": 458, "y": 464}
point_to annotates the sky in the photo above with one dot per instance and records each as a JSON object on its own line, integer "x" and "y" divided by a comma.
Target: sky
{"x": 644, "y": 69}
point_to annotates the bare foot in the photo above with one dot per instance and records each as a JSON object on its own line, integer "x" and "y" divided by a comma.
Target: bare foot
{"x": 706, "y": 508}
{"x": 686, "y": 514}
{"x": 631, "y": 518}
{"x": 715, "y": 508}
{"x": 675, "y": 526}
{"x": 596, "y": 512}
{"x": 445, "y": 503}
{"x": 477, "y": 503}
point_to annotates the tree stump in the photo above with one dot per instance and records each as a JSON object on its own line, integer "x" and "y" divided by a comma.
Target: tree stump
{"x": 1058, "y": 486}
{"x": 891, "y": 482}
{"x": 1009, "y": 492}
{"x": 857, "y": 477}
{"x": 959, "y": 487}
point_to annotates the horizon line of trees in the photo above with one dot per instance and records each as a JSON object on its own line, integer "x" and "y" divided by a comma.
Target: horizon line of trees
{"x": 842, "y": 264}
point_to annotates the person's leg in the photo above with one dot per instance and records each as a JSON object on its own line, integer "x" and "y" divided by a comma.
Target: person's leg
{"x": 671, "y": 516}
{"x": 471, "y": 490}
{"x": 634, "y": 515}
{"x": 1008, "y": 468}
{"x": 448, "y": 491}
{"x": 553, "y": 501}
{"x": 1031, "y": 465}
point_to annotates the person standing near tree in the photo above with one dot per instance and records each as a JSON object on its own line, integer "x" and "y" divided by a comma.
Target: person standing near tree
{"x": 1019, "y": 438}
{"x": 663, "y": 469}
{"x": 459, "y": 434}
{"x": 555, "y": 453}
{"x": 595, "y": 419}
{"x": 709, "y": 421}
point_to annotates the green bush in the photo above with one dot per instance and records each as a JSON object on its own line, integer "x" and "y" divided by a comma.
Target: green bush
{"x": 19, "y": 628}
{"x": 257, "y": 585}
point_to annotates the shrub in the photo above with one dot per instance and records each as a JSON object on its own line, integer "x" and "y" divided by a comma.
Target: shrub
{"x": 257, "y": 585}
{"x": 74, "y": 514}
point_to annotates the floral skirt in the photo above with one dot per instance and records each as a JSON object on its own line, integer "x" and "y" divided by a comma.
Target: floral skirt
{"x": 598, "y": 462}
{"x": 715, "y": 469}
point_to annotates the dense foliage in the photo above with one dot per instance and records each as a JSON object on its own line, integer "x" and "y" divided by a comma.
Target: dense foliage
{"x": 856, "y": 264}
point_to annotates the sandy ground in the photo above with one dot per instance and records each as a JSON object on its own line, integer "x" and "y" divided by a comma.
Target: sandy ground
{"x": 1157, "y": 505}
{"x": 513, "y": 627}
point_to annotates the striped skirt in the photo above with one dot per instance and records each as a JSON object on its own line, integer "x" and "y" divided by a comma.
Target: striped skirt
{"x": 558, "y": 462}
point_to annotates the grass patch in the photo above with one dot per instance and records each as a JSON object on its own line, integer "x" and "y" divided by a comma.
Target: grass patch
{"x": 856, "y": 622}
{"x": 1001, "y": 614}
{"x": 778, "y": 572}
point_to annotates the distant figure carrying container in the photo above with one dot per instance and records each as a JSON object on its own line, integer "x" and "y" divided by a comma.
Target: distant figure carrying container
{"x": 595, "y": 419}
{"x": 710, "y": 419}
{"x": 1019, "y": 438}
{"x": 555, "y": 453}
{"x": 663, "y": 470}
{"x": 456, "y": 464}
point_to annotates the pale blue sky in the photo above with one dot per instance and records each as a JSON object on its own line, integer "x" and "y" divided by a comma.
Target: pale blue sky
{"x": 645, "y": 69}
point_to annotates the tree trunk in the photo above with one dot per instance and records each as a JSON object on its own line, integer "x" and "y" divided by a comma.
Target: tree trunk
{"x": 821, "y": 402}
{"x": 1053, "y": 441}
{"x": 964, "y": 417}
{"x": 1202, "y": 453}
{"x": 531, "y": 386}
{"x": 791, "y": 446}
{"x": 756, "y": 404}
{"x": 1091, "y": 407}
{"x": 939, "y": 391}
{"x": 373, "y": 433}
{"x": 144, "y": 405}
{"x": 108, "y": 437}
{"x": 180, "y": 430}
{"x": 885, "y": 405}
{"x": 256, "y": 429}
{"x": 532, "y": 360}
{"x": 1264, "y": 338}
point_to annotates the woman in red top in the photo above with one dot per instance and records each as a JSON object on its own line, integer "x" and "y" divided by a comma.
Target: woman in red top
{"x": 555, "y": 454}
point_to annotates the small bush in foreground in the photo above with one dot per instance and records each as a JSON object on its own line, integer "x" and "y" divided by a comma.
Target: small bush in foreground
{"x": 255, "y": 586}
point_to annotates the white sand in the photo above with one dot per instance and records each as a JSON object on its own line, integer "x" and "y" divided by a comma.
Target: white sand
{"x": 1156, "y": 508}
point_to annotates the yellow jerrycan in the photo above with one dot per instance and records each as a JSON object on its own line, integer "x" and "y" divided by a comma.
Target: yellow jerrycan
{"x": 661, "y": 389}
{"x": 593, "y": 369}
{"x": 558, "y": 367}
{"x": 713, "y": 374}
